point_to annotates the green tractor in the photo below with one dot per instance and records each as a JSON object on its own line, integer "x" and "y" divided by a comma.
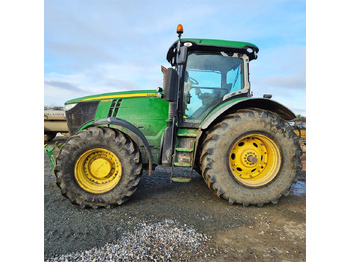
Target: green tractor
{"x": 203, "y": 118}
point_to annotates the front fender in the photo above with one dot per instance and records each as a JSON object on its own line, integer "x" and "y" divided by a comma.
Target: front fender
{"x": 261, "y": 103}
{"x": 132, "y": 131}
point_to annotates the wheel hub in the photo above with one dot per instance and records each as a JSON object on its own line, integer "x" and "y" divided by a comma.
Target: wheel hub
{"x": 249, "y": 158}
{"x": 98, "y": 170}
{"x": 254, "y": 160}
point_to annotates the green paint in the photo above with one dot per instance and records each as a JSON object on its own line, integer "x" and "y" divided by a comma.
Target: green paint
{"x": 221, "y": 106}
{"x": 216, "y": 42}
{"x": 188, "y": 132}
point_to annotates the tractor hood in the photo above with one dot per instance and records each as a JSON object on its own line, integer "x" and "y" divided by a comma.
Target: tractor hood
{"x": 115, "y": 95}
{"x": 140, "y": 108}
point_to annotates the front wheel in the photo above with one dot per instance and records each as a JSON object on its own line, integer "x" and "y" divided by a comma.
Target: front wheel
{"x": 250, "y": 157}
{"x": 98, "y": 167}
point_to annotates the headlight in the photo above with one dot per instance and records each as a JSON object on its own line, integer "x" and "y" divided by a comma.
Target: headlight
{"x": 249, "y": 50}
{"x": 69, "y": 106}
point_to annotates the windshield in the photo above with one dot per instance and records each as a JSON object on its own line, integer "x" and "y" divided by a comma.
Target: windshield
{"x": 208, "y": 78}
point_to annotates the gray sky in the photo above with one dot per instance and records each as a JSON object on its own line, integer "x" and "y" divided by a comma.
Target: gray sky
{"x": 94, "y": 47}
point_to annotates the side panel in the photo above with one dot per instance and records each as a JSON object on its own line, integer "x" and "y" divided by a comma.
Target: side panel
{"x": 147, "y": 114}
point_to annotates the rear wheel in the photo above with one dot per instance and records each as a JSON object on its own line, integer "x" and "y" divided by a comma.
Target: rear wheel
{"x": 98, "y": 167}
{"x": 250, "y": 157}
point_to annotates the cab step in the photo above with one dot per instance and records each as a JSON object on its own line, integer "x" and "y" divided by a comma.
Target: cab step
{"x": 183, "y": 164}
{"x": 181, "y": 179}
{"x": 187, "y": 132}
{"x": 184, "y": 149}
{"x": 183, "y": 153}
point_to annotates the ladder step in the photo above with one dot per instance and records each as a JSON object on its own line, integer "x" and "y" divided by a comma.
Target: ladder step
{"x": 181, "y": 179}
{"x": 184, "y": 149}
{"x": 187, "y": 135}
{"x": 187, "y": 132}
{"x": 183, "y": 164}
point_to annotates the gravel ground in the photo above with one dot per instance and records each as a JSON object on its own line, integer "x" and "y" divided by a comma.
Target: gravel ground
{"x": 162, "y": 241}
{"x": 166, "y": 221}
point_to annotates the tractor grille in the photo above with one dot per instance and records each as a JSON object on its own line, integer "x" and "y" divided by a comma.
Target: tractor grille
{"x": 80, "y": 114}
{"x": 113, "y": 111}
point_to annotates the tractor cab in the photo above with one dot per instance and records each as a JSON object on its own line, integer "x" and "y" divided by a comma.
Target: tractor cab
{"x": 207, "y": 73}
{"x": 211, "y": 78}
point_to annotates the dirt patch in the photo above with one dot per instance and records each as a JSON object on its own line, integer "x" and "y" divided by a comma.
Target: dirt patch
{"x": 269, "y": 239}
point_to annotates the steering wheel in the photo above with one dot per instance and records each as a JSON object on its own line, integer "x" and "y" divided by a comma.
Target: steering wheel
{"x": 194, "y": 81}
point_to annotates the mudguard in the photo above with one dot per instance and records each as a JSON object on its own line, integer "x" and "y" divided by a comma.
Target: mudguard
{"x": 261, "y": 103}
{"x": 132, "y": 131}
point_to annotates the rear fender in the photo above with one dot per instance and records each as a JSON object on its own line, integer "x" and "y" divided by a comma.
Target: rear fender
{"x": 260, "y": 103}
{"x": 132, "y": 131}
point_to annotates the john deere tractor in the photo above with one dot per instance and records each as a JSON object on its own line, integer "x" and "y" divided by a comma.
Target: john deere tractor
{"x": 203, "y": 118}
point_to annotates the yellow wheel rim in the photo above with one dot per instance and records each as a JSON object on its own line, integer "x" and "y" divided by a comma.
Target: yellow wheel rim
{"x": 98, "y": 170}
{"x": 255, "y": 160}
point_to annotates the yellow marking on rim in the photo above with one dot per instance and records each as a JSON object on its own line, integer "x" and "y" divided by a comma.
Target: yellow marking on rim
{"x": 255, "y": 160}
{"x": 98, "y": 170}
{"x": 122, "y": 96}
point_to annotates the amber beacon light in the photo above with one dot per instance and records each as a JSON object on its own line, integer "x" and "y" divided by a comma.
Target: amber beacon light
{"x": 179, "y": 29}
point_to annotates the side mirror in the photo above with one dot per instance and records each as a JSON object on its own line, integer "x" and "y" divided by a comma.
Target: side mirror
{"x": 170, "y": 88}
{"x": 181, "y": 56}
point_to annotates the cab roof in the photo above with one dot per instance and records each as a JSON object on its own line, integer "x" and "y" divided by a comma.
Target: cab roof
{"x": 215, "y": 45}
